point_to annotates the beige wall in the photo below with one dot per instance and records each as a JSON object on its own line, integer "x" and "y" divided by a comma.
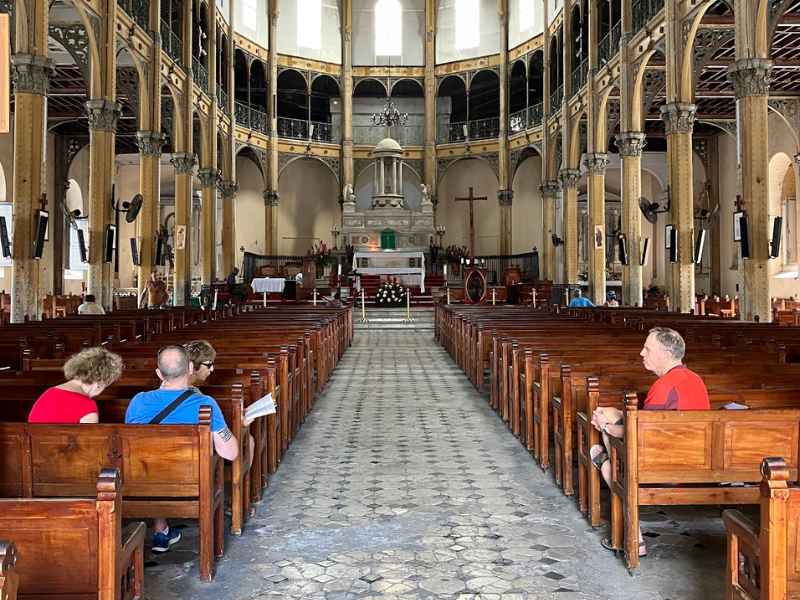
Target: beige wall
{"x": 250, "y": 219}
{"x": 308, "y": 206}
{"x": 526, "y": 225}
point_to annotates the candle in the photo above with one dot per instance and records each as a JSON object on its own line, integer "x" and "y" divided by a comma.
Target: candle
{"x": 448, "y": 296}
{"x": 445, "y": 271}
{"x": 363, "y": 313}
{"x": 340, "y": 269}
{"x": 315, "y": 297}
{"x": 462, "y": 260}
{"x": 408, "y": 304}
{"x": 493, "y": 296}
{"x": 265, "y": 299}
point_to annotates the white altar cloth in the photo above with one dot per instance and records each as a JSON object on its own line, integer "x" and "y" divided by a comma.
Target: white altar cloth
{"x": 268, "y": 284}
{"x": 397, "y": 267}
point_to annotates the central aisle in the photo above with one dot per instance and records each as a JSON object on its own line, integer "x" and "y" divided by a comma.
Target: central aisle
{"x": 404, "y": 484}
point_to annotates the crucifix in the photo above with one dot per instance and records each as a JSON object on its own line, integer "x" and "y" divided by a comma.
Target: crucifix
{"x": 471, "y": 199}
{"x": 43, "y": 202}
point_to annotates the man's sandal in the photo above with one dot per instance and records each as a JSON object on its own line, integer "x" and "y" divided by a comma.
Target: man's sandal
{"x": 608, "y": 545}
{"x": 599, "y": 455}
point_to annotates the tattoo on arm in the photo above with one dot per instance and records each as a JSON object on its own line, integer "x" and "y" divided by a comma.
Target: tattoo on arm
{"x": 225, "y": 434}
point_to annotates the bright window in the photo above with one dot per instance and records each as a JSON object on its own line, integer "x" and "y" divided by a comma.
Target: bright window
{"x": 309, "y": 24}
{"x": 388, "y": 28}
{"x": 468, "y": 28}
{"x": 527, "y": 17}
{"x": 250, "y": 14}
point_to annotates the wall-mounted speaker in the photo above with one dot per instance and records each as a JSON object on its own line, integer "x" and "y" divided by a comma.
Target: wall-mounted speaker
{"x": 134, "y": 253}
{"x": 42, "y": 220}
{"x": 673, "y": 245}
{"x": 159, "y": 260}
{"x": 745, "y": 241}
{"x": 111, "y": 242}
{"x": 4, "y": 240}
{"x": 775, "y": 242}
{"x": 170, "y": 257}
{"x": 82, "y": 247}
{"x": 623, "y": 250}
{"x": 698, "y": 246}
{"x": 645, "y": 251}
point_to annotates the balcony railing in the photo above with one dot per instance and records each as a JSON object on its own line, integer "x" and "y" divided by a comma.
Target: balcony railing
{"x": 259, "y": 120}
{"x": 644, "y": 10}
{"x": 172, "y": 45}
{"x": 222, "y": 99}
{"x": 241, "y": 113}
{"x": 535, "y": 115}
{"x": 309, "y": 131}
{"x": 556, "y": 98}
{"x": 200, "y": 74}
{"x": 518, "y": 121}
{"x": 483, "y": 129}
{"x": 367, "y": 135}
{"x": 139, "y": 11}
{"x": 579, "y": 75}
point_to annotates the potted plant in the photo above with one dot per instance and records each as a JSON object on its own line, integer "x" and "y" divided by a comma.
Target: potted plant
{"x": 322, "y": 256}
{"x": 453, "y": 255}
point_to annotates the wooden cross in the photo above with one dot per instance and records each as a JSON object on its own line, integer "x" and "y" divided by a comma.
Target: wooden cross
{"x": 739, "y": 204}
{"x": 43, "y": 202}
{"x": 471, "y": 199}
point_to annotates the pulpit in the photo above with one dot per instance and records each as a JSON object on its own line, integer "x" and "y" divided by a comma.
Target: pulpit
{"x": 309, "y": 273}
{"x": 511, "y": 276}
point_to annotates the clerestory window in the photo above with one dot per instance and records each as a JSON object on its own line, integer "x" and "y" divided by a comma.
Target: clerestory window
{"x": 309, "y": 24}
{"x": 527, "y": 15}
{"x": 468, "y": 28}
{"x": 388, "y": 28}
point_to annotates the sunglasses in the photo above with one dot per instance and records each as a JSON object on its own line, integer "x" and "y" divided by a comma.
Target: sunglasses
{"x": 208, "y": 365}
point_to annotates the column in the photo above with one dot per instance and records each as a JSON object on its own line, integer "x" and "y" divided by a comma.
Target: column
{"x": 596, "y": 164}
{"x": 102, "y": 115}
{"x": 376, "y": 176}
{"x": 381, "y": 177}
{"x": 549, "y": 191}
{"x": 31, "y": 75}
{"x": 348, "y": 177}
{"x": 630, "y": 146}
{"x": 208, "y": 183}
{"x": 271, "y": 211}
{"x": 400, "y": 177}
{"x": 505, "y": 198}
{"x": 150, "y": 144}
{"x": 569, "y": 182}
{"x": 750, "y": 80}
{"x": 228, "y": 190}
{"x": 270, "y": 214}
{"x": 679, "y": 120}
{"x": 184, "y": 164}
{"x": 430, "y": 176}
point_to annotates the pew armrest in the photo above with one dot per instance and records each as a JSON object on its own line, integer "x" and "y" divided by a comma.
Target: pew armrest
{"x": 744, "y": 575}
{"x": 130, "y": 562}
{"x": 737, "y": 524}
{"x": 132, "y": 538}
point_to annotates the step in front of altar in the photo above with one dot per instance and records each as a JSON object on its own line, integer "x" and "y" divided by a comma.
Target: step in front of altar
{"x": 394, "y": 318}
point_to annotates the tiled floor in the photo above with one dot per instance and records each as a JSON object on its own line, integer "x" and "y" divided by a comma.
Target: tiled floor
{"x": 404, "y": 484}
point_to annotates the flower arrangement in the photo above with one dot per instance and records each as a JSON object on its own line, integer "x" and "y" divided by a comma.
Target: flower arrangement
{"x": 391, "y": 293}
{"x": 453, "y": 254}
{"x": 321, "y": 255}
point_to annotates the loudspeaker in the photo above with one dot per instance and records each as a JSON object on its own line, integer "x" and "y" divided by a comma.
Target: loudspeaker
{"x": 775, "y": 243}
{"x": 623, "y": 250}
{"x": 698, "y": 246}
{"x": 4, "y": 241}
{"x": 111, "y": 237}
{"x": 645, "y": 251}
{"x": 134, "y": 253}
{"x": 159, "y": 261}
{"x": 170, "y": 257}
{"x": 82, "y": 247}
{"x": 673, "y": 245}
{"x": 745, "y": 241}
{"x": 41, "y": 234}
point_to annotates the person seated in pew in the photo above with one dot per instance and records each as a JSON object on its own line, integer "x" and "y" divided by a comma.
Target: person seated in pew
{"x": 88, "y": 374}
{"x": 202, "y": 356}
{"x": 90, "y": 307}
{"x": 579, "y": 301}
{"x": 175, "y": 403}
{"x": 611, "y": 300}
{"x": 677, "y": 388}
{"x": 336, "y": 301}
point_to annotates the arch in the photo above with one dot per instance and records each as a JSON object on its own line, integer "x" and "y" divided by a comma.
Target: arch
{"x": 223, "y": 62}
{"x": 324, "y": 90}
{"x": 518, "y": 87}
{"x": 536, "y": 79}
{"x": 292, "y": 95}
{"x": 303, "y": 156}
{"x": 785, "y": 122}
{"x": 129, "y": 88}
{"x": 637, "y": 111}
{"x": 370, "y": 88}
{"x": 173, "y": 125}
{"x": 94, "y": 85}
{"x": 778, "y": 165}
{"x": 484, "y": 96}
{"x": 603, "y": 127}
{"x": 245, "y": 151}
{"x": 258, "y": 88}
{"x": 685, "y": 93}
{"x": 74, "y": 196}
{"x": 527, "y": 152}
{"x": 241, "y": 76}
{"x": 455, "y": 88}
{"x": 407, "y": 88}
{"x": 463, "y": 158}
{"x": 573, "y": 158}
{"x": 200, "y": 141}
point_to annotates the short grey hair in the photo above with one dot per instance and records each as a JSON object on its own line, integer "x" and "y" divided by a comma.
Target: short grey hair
{"x": 670, "y": 340}
{"x": 173, "y": 362}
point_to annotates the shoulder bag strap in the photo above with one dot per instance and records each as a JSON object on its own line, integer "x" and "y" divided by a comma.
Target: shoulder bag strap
{"x": 170, "y": 408}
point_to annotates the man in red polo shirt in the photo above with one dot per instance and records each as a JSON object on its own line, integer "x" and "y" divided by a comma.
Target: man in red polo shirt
{"x": 677, "y": 388}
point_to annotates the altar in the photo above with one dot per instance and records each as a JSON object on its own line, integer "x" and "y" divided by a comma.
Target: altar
{"x": 408, "y": 267}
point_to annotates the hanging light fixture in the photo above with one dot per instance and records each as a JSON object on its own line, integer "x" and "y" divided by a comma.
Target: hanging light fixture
{"x": 389, "y": 116}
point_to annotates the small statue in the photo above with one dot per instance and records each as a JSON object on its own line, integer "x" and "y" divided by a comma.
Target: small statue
{"x": 348, "y": 195}
{"x": 426, "y": 194}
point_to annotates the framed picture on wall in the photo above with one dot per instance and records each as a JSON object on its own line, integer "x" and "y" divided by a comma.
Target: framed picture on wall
{"x": 737, "y": 226}
{"x": 599, "y": 234}
{"x": 668, "y": 237}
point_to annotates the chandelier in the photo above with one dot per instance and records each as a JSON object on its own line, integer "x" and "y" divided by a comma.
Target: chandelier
{"x": 389, "y": 116}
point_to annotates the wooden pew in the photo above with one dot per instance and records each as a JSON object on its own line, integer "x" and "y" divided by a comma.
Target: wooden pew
{"x": 8, "y": 575}
{"x": 681, "y": 457}
{"x": 73, "y": 548}
{"x": 762, "y": 562}
{"x": 167, "y": 471}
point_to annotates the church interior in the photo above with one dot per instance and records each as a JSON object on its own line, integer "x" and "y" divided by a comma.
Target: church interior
{"x": 454, "y": 171}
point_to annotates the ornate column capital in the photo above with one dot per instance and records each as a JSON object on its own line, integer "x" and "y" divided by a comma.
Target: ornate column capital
{"x": 569, "y": 177}
{"x": 750, "y": 77}
{"x": 630, "y": 143}
{"x": 103, "y": 115}
{"x": 505, "y": 197}
{"x": 271, "y": 197}
{"x": 31, "y": 73}
{"x": 228, "y": 189}
{"x": 183, "y": 162}
{"x": 549, "y": 189}
{"x": 208, "y": 177}
{"x": 679, "y": 117}
{"x": 150, "y": 143}
{"x": 596, "y": 163}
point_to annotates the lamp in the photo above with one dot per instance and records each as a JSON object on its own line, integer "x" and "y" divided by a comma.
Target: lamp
{"x": 440, "y": 230}
{"x": 389, "y": 116}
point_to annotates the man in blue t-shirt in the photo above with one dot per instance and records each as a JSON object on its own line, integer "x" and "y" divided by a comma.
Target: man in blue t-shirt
{"x": 174, "y": 368}
{"x": 579, "y": 301}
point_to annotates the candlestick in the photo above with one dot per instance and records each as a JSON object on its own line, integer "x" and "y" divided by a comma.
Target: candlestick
{"x": 315, "y": 297}
{"x": 363, "y": 312}
{"x": 494, "y": 293}
{"x": 533, "y": 297}
{"x": 462, "y": 260}
{"x": 408, "y": 306}
{"x": 448, "y": 296}
{"x": 214, "y": 307}
{"x": 340, "y": 270}
{"x": 445, "y": 272}
{"x": 265, "y": 299}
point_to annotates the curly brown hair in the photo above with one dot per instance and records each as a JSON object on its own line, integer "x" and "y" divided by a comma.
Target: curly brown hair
{"x": 94, "y": 365}
{"x": 200, "y": 351}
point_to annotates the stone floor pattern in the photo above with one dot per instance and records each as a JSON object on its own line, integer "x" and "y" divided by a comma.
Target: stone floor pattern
{"x": 404, "y": 484}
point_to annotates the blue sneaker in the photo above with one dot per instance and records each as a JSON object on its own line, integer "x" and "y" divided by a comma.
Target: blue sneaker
{"x": 162, "y": 541}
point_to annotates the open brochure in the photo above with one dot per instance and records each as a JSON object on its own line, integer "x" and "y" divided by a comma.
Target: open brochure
{"x": 734, "y": 406}
{"x": 260, "y": 408}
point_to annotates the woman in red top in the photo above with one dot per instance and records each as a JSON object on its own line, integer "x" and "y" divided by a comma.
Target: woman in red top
{"x": 88, "y": 373}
